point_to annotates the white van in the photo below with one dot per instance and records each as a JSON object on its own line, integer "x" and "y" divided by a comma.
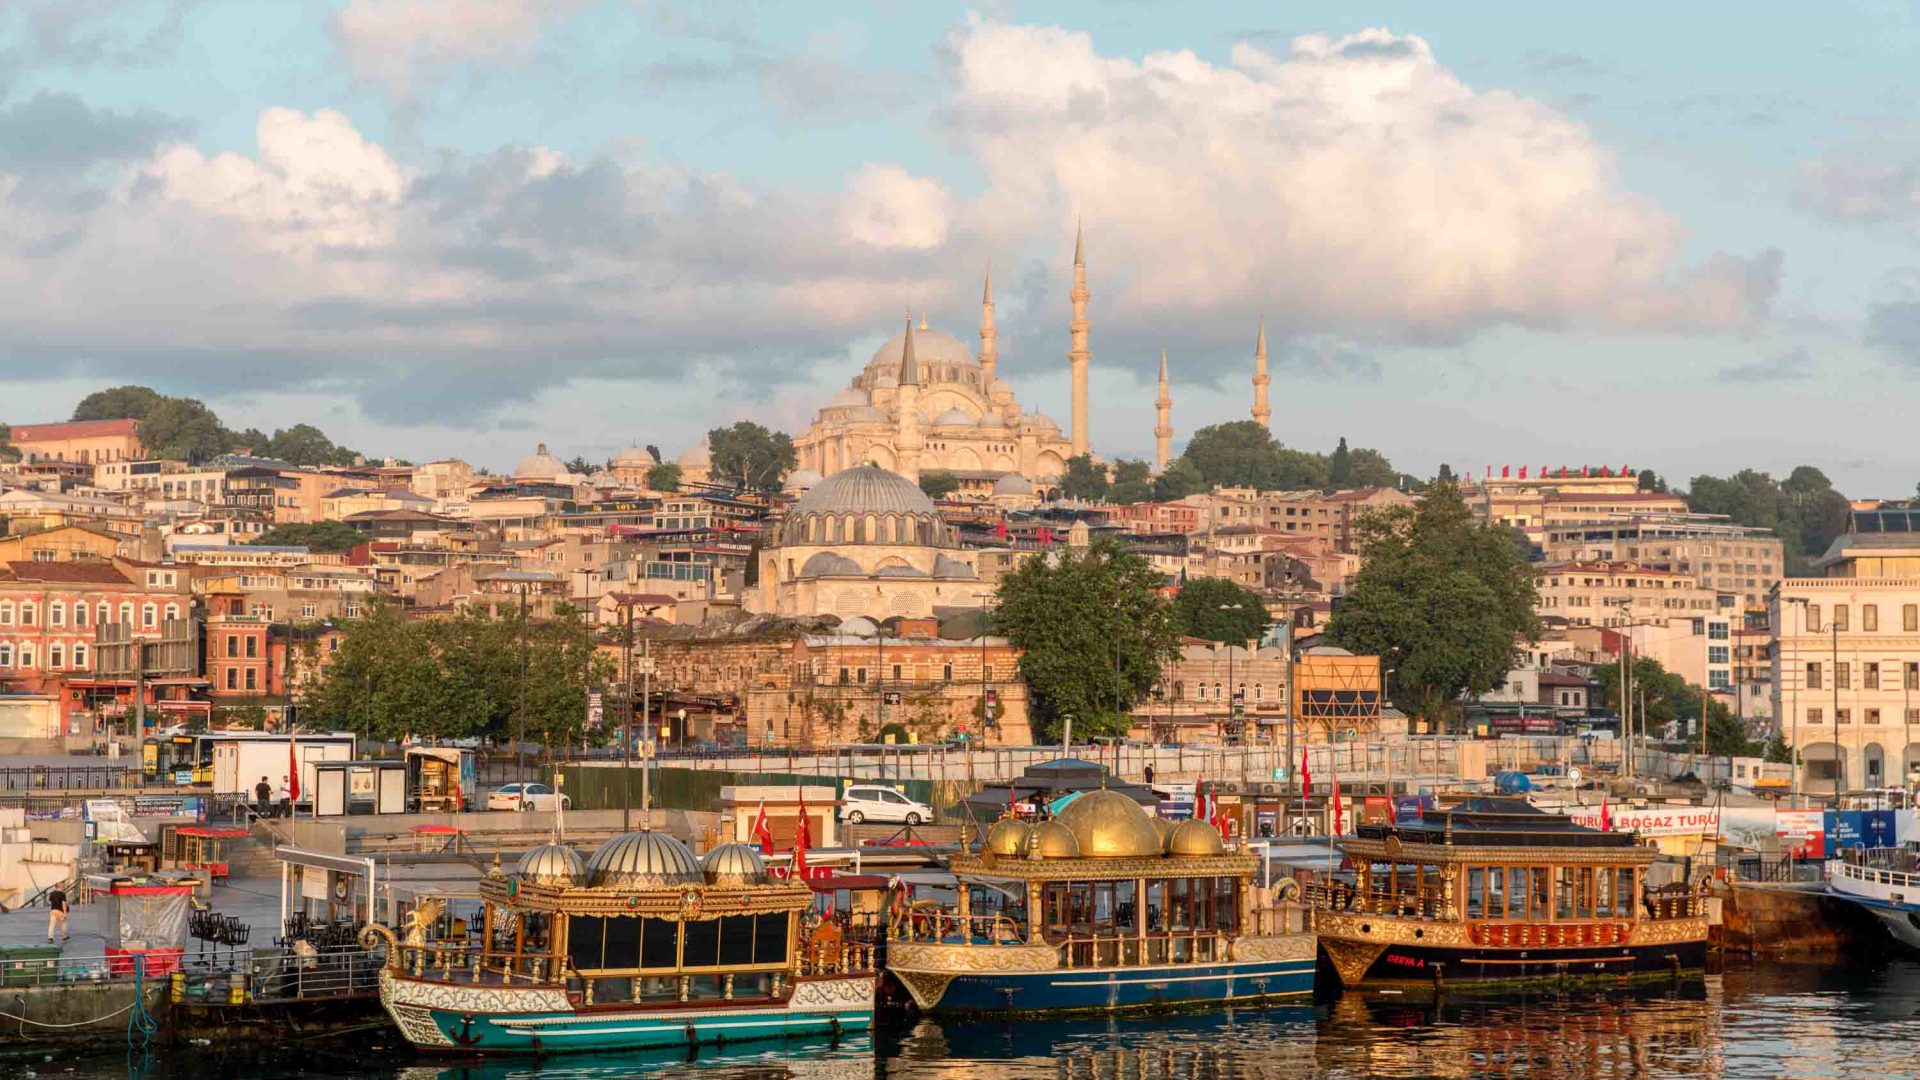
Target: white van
{"x": 871, "y": 802}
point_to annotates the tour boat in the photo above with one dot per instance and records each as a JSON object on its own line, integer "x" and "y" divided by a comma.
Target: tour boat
{"x": 1496, "y": 892}
{"x": 639, "y": 946}
{"x": 1100, "y": 908}
{"x": 1884, "y": 881}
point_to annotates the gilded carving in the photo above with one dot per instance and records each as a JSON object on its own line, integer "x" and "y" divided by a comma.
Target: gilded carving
{"x": 927, "y": 987}
{"x": 417, "y": 1025}
{"x": 1351, "y": 959}
{"x": 1504, "y": 856}
{"x": 1668, "y": 931}
{"x": 1274, "y": 947}
{"x": 1110, "y": 869}
{"x": 1388, "y": 930}
{"x": 831, "y": 993}
{"x": 462, "y": 997}
{"x": 932, "y": 956}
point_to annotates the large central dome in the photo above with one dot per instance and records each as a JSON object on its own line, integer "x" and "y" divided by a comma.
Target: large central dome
{"x": 864, "y": 489}
{"x": 929, "y": 347}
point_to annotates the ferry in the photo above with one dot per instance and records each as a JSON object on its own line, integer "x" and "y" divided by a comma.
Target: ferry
{"x": 1884, "y": 881}
{"x": 1101, "y": 908}
{"x": 1495, "y": 893}
{"x": 639, "y": 946}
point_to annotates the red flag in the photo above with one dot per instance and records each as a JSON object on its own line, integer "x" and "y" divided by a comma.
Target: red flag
{"x": 1626, "y": 470}
{"x": 1506, "y": 472}
{"x": 802, "y": 839}
{"x": 1045, "y": 536}
{"x": 1339, "y": 815}
{"x": 1606, "y": 819}
{"x": 293, "y": 769}
{"x": 1583, "y": 470}
{"x": 1200, "y": 808}
{"x": 1306, "y": 776}
{"x": 761, "y": 831}
{"x": 1000, "y": 530}
{"x": 1523, "y": 472}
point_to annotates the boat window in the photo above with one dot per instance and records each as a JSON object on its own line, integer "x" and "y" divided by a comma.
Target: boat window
{"x": 701, "y": 947}
{"x": 1583, "y": 902}
{"x": 1476, "y": 892}
{"x": 659, "y": 944}
{"x": 1625, "y": 896}
{"x": 1157, "y": 907}
{"x": 1517, "y": 890}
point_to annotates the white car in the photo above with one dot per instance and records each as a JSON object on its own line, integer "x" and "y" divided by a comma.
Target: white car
{"x": 870, "y": 802}
{"x": 538, "y": 797}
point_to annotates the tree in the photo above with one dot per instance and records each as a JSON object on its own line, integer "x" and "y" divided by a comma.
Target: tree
{"x": 663, "y": 477}
{"x": 327, "y": 537}
{"x": 117, "y": 403}
{"x": 1340, "y": 467}
{"x": 1440, "y": 599}
{"x": 1651, "y": 481}
{"x": 301, "y": 444}
{"x": 751, "y": 456}
{"x": 1446, "y": 473}
{"x": 939, "y": 483}
{"x": 1093, "y": 631}
{"x": 1776, "y": 751}
{"x": 1220, "y": 610}
{"x": 1178, "y": 480}
{"x": 581, "y": 466}
{"x": 1084, "y": 479}
{"x": 1132, "y": 482}
{"x": 1242, "y": 454}
{"x": 1671, "y": 699}
{"x": 8, "y": 452}
{"x": 1804, "y": 510}
{"x": 184, "y": 428}
{"x": 1370, "y": 468}
{"x": 654, "y": 453}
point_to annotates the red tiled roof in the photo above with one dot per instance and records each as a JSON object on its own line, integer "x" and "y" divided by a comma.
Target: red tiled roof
{"x": 83, "y": 573}
{"x": 73, "y": 429}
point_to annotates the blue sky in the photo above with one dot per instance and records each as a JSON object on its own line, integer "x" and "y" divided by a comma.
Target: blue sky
{"x": 1678, "y": 236}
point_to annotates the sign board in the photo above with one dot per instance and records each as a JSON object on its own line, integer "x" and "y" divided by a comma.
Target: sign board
{"x": 1654, "y": 821}
{"x": 1802, "y": 832}
{"x": 891, "y": 697}
{"x": 645, "y": 665}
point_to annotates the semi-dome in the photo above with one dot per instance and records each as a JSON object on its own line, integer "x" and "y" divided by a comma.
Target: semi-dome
{"x": 946, "y": 566}
{"x": 1052, "y": 840}
{"x": 1042, "y": 420}
{"x": 864, "y": 489}
{"x": 991, "y": 420}
{"x": 1109, "y": 825}
{"x": 860, "y": 626}
{"x": 552, "y": 865}
{"x": 1194, "y": 837}
{"x": 541, "y": 465}
{"x": 929, "y": 347}
{"x": 1008, "y": 836}
{"x": 829, "y": 564}
{"x": 643, "y": 860}
{"x": 734, "y": 864}
{"x": 953, "y": 418}
{"x": 900, "y": 572}
{"x": 1013, "y": 484}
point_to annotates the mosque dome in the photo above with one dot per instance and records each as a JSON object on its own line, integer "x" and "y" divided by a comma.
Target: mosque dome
{"x": 633, "y": 457}
{"x": 643, "y": 860}
{"x": 697, "y": 456}
{"x": 930, "y": 347}
{"x": 860, "y": 626}
{"x": 846, "y": 399}
{"x": 1008, "y": 836}
{"x": 829, "y": 564}
{"x": 869, "y": 414}
{"x": 953, "y": 418}
{"x": 604, "y": 478}
{"x": 1194, "y": 837}
{"x": 552, "y": 865}
{"x": 900, "y": 572}
{"x": 1042, "y": 420}
{"x": 734, "y": 864}
{"x": 542, "y": 466}
{"x": 865, "y": 489}
{"x": 1052, "y": 840}
{"x": 991, "y": 420}
{"x": 1013, "y": 484}
{"x": 865, "y": 505}
{"x": 1107, "y": 824}
{"x": 801, "y": 480}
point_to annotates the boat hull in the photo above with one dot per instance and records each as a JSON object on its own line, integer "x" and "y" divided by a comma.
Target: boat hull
{"x": 1001, "y": 980}
{"x": 1371, "y": 952}
{"x": 465, "y": 1018}
{"x": 1900, "y": 919}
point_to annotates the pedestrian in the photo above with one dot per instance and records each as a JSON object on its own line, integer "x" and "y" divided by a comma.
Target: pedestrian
{"x": 57, "y": 914}
{"x": 262, "y": 794}
{"x": 1148, "y": 771}
{"x": 286, "y": 798}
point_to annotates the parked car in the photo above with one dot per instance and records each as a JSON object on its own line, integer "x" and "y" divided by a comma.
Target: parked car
{"x": 538, "y": 797}
{"x": 870, "y": 802}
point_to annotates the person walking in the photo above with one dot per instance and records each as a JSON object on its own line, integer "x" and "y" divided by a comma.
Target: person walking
{"x": 57, "y": 914}
{"x": 286, "y": 798}
{"x": 1148, "y": 772}
{"x": 262, "y": 796}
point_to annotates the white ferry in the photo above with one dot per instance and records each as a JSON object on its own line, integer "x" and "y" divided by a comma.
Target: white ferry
{"x": 1884, "y": 881}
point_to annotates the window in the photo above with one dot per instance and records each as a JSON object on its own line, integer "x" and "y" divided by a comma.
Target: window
{"x": 26, "y": 655}
{"x": 860, "y": 675}
{"x": 1814, "y": 716}
{"x": 1843, "y": 716}
{"x": 80, "y": 656}
{"x": 1870, "y": 676}
{"x": 1716, "y": 654}
{"x": 6, "y": 654}
{"x": 56, "y": 656}
{"x": 173, "y": 612}
{"x": 233, "y": 645}
{"x": 1717, "y": 632}
{"x": 253, "y": 647}
{"x": 1911, "y": 678}
{"x": 306, "y": 611}
{"x": 80, "y": 614}
{"x": 843, "y": 676}
{"x": 1843, "y": 676}
{"x": 147, "y": 614}
{"x": 1813, "y": 618}
{"x": 26, "y": 614}
{"x": 946, "y": 673}
{"x": 896, "y": 673}
{"x": 106, "y": 614}
{"x": 1840, "y": 620}
{"x": 1873, "y": 716}
{"x": 1813, "y": 675}
{"x": 233, "y": 678}
{"x": 1913, "y": 715}
{"x": 6, "y": 614}
{"x": 1910, "y": 617}
{"x": 126, "y": 613}
{"x": 57, "y": 613}
{"x": 1869, "y": 617}
{"x": 251, "y": 677}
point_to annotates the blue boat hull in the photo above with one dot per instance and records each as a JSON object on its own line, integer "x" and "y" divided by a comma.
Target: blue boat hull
{"x": 1113, "y": 989}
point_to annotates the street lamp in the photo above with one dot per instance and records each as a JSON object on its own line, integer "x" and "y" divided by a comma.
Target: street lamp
{"x": 1793, "y": 751}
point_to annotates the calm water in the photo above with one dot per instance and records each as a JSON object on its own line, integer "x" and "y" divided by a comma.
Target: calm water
{"x": 1764, "y": 1021}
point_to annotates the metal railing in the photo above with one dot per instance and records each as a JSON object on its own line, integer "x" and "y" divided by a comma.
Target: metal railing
{"x": 69, "y": 777}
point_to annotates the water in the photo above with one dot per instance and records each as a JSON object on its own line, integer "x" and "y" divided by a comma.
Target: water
{"x": 1858, "y": 1020}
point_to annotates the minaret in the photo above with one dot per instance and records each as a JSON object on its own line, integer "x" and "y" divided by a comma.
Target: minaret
{"x": 1163, "y": 430}
{"x": 1262, "y": 412}
{"x": 1078, "y": 356}
{"x": 989, "y": 344}
{"x": 907, "y": 441}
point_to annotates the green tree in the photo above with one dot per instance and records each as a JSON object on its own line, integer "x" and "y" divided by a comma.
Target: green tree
{"x": 1094, "y": 634}
{"x": 328, "y": 537}
{"x": 654, "y": 453}
{"x": 751, "y": 456}
{"x": 117, "y": 403}
{"x": 663, "y": 476}
{"x": 1441, "y": 599}
{"x": 1776, "y": 751}
{"x": 1804, "y": 510}
{"x": 1085, "y": 479}
{"x": 1220, "y": 610}
{"x": 301, "y": 444}
{"x": 1370, "y": 468}
{"x": 1132, "y": 482}
{"x": 1243, "y": 454}
{"x": 8, "y": 452}
{"x": 1445, "y": 474}
{"x": 183, "y": 428}
{"x": 581, "y": 466}
{"x": 1340, "y": 467}
{"x": 1648, "y": 480}
{"x": 1670, "y": 699}
{"x": 1178, "y": 480}
{"x": 939, "y": 483}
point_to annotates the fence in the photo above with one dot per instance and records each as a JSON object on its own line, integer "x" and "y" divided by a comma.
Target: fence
{"x": 30, "y": 778}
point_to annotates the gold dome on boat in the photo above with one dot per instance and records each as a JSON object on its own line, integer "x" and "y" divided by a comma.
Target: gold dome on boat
{"x": 735, "y": 864}
{"x": 1008, "y": 836}
{"x": 1163, "y": 826}
{"x": 643, "y": 860}
{"x": 1052, "y": 840}
{"x": 1108, "y": 825}
{"x": 553, "y": 865}
{"x": 1194, "y": 837}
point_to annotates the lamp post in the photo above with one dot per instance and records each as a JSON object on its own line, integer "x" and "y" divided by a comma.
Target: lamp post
{"x": 1793, "y": 751}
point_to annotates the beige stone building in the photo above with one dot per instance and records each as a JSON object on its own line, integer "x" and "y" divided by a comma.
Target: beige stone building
{"x": 84, "y": 442}
{"x": 1618, "y": 594}
{"x": 1740, "y": 562}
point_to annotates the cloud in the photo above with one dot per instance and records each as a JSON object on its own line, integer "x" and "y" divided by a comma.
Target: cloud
{"x": 1561, "y": 64}
{"x": 1895, "y": 327}
{"x": 1790, "y": 366}
{"x": 90, "y": 33}
{"x": 889, "y": 207}
{"x": 58, "y": 132}
{"x": 1858, "y": 188}
{"x": 1325, "y": 359}
{"x": 1352, "y": 185}
{"x": 403, "y": 45}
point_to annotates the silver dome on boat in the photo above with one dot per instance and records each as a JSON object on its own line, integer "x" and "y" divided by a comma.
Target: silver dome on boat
{"x": 735, "y": 864}
{"x": 553, "y": 865}
{"x": 643, "y": 860}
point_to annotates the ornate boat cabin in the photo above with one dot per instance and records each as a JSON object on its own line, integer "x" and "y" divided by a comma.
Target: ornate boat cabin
{"x": 1498, "y": 891}
{"x": 641, "y": 945}
{"x": 1100, "y": 908}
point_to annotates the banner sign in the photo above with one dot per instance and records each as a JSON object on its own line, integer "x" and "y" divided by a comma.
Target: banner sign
{"x": 1802, "y": 832}
{"x": 1653, "y": 821}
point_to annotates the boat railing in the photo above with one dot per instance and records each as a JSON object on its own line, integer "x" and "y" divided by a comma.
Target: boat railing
{"x": 946, "y": 926}
{"x": 1118, "y": 950}
{"x": 1678, "y": 901}
{"x": 1862, "y": 870}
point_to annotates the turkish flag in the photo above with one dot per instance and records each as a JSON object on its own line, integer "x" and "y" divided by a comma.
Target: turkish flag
{"x": 802, "y": 839}
{"x": 293, "y": 769}
{"x": 1000, "y": 531}
{"x": 1306, "y": 776}
{"x": 761, "y": 831}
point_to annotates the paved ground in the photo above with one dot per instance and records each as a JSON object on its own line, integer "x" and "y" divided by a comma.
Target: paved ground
{"x": 254, "y": 901}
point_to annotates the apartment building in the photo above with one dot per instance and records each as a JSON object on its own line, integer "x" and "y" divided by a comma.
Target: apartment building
{"x": 1738, "y": 562}
{"x": 1619, "y": 593}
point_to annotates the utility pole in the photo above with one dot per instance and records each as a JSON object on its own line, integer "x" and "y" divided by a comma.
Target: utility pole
{"x": 626, "y": 728}
{"x": 646, "y": 723}
{"x": 1788, "y": 684}
{"x": 520, "y": 736}
{"x": 1840, "y": 757}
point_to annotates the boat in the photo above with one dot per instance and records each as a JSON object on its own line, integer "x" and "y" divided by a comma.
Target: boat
{"x": 1102, "y": 908}
{"x": 638, "y": 946}
{"x": 1496, "y": 892}
{"x": 1886, "y": 883}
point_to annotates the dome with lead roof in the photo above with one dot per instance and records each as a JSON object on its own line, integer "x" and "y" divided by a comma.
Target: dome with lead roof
{"x": 1013, "y": 484}
{"x": 542, "y": 466}
{"x": 932, "y": 349}
{"x": 643, "y": 860}
{"x": 633, "y": 457}
{"x": 953, "y": 418}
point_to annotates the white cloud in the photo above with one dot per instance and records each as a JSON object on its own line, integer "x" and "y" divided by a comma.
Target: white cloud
{"x": 398, "y": 44}
{"x": 888, "y": 207}
{"x": 1861, "y": 189}
{"x": 1353, "y": 184}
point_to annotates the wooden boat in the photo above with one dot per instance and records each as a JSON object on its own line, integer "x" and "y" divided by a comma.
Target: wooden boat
{"x": 1496, "y": 892}
{"x": 1102, "y": 908}
{"x": 639, "y": 946}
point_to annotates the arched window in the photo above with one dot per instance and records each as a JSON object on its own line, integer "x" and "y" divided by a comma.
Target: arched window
{"x": 80, "y": 656}
{"x": 6, "y": 614}
{"x": 871, "y": 530}
{"x": 833, "y": 530}
{"x": 106, "y": 614}
{"x": 80, "y": 613}
{"x": 1258, "y": 690}
{"x": 173, "y": 612}
{"x": 57, "y": 614}
{"x": 26, "y": 615}
{"x": 1179, "y": 690}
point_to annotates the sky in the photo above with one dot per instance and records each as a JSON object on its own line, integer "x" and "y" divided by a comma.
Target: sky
{"x": 1680, "y": 237}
